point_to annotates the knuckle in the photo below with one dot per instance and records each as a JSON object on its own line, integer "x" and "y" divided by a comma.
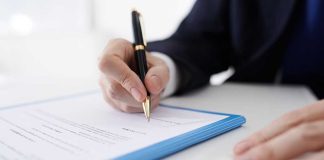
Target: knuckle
{"x": 112, "y": 95}
{"x": 293, "y": 118}
{"x": 104, "y": 63}
{"x": 120, "y": 43}
{"x": 310, "y": 136}
{"x": 310, "y": 132}
{"x": 125, "y": 79}
{"x": 259, "y": 137}
{"x": 265, "y": 152}
{"x": 114, "y": 91}
{"x": 115, "y": 87}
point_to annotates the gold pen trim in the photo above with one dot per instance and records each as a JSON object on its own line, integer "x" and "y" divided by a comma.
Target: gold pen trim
{"x": 139, "y": 47}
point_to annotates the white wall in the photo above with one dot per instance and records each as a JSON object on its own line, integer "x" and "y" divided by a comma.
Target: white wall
{"x": 67, "y": 35}
{"x": 161, "y": 17}
{"x": 43, "y": 16}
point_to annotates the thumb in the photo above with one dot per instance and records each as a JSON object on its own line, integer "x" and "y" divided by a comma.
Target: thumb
{"x": 157, "y": 76}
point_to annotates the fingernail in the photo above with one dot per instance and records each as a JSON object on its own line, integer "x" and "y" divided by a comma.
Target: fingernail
{"x": 242, "y": 147}
{"x": 156, "y": 83}
{"x": 136, "y": 94}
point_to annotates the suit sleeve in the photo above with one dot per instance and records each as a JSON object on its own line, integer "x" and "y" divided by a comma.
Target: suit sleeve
{"x": 200, "y": 46}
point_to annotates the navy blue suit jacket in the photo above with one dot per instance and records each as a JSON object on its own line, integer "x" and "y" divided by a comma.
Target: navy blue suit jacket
{"x": 248, "y": 35}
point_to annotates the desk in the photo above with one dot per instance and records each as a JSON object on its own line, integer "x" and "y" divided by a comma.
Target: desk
{"x": 260, "y": 104}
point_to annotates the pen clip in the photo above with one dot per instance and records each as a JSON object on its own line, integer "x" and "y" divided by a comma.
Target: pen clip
{"x": 141, "y": 20}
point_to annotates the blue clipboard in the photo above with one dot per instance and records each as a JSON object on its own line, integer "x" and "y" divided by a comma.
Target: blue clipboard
{"x": 183, "y": 141}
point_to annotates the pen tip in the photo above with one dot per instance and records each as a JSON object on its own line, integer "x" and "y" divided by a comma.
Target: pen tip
{"x": 147, "y": 108}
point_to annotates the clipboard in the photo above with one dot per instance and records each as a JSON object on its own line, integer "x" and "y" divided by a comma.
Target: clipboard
{"x": 157, "y": 150}
{"x": 186, "y": 140}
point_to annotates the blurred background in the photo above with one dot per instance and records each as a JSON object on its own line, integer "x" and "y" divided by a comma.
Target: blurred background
{"x": 63, "y": 38}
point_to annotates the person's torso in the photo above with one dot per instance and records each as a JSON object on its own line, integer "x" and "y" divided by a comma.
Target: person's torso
{"x": 292, "y": 44}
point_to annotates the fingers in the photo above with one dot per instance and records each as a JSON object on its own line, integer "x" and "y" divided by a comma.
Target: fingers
{"x": 157, "y": 76}
{"x": 118, "y": 105}
{"x": 119, "y": 47}
{"x": 115, "y": 95}
{"x": 115, "y": 91}
{"x": 316, "y": 156}
{"x": 115, "y": 64}
{"x": 121, "y": 86}
{"x": 121, "y": 73}
{"x": 286, "y": 122}
{"x": 295, "y": 142}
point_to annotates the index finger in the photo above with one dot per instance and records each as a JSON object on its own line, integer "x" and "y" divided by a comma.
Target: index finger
{"x": 302, "y": 139}
{"x": 114, "y": 65}
{"x": 118, "y": 47}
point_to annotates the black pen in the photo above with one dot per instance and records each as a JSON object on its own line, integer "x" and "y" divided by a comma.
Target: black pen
{"x": 140, "y": 57}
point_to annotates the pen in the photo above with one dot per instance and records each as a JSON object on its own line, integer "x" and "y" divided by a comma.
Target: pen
{"x": 140, "y": 58}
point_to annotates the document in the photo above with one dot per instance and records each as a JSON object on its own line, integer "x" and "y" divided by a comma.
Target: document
{"x": 85, "y": 127}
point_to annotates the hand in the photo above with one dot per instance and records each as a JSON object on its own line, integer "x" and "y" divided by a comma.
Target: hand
{"x": 121, "y": 86}
{"x": 290, "y": 136}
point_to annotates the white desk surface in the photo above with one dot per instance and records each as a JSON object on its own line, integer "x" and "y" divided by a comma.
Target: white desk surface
{"x": 260, "y": 104}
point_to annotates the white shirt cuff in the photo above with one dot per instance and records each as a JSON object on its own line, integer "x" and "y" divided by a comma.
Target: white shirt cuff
{"x": 173, "y": 83}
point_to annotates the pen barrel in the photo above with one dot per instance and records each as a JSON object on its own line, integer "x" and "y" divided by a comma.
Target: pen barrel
{"x": 140, "y": 59}
{"x": 139, "y": 47}
{"x": 137, "y": 29}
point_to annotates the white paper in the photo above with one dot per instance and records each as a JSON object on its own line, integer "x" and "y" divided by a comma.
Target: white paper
{"x": 86, "y": 127}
